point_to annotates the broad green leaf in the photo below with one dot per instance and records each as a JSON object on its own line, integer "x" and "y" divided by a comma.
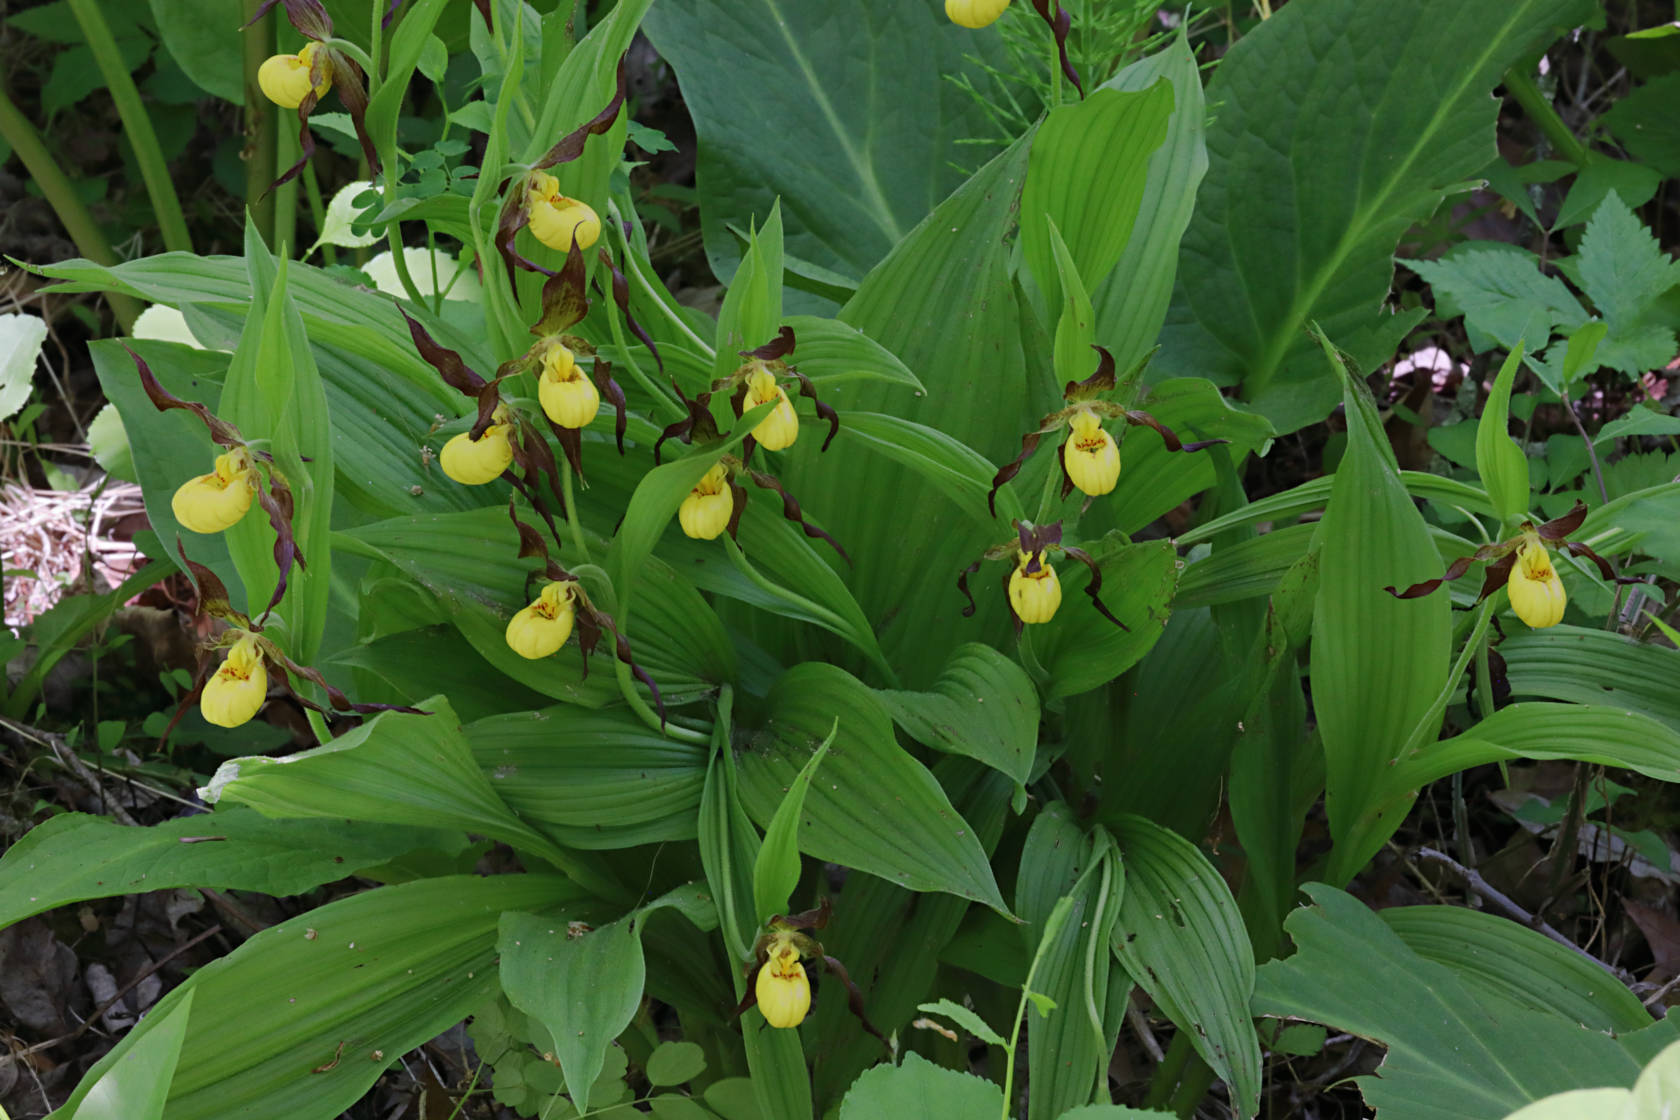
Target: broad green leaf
{"x": 75, "y": 856}
{"x": 1313, "y": 495}
{"x": 1378, "y": 662}
{"x": 983, "y": 705}
{"x": 1085, "y": 181}
{"x": 137, "y": 1085}
{"x": 204, "y": 39}
{"x": 1593, "y": 666}
{"x": 394, "y": 769}
{"x": 21, "y": 337}
{"x": 1132, "y": 303}
{"x": 1576, "y": 1103}
{"x": 584, "y": 989}
{"x": 1624, "y": 270}
{"x": 1451, "y": 1052}
{"x": 1069, "y": 1047}
{"x": 965, "y": 1018}
{"x": 832, "y": 353}
{"x": 1076, "y": 329}
{"x": 752, "y": 307}
{"x": 1182, "y": 940}
{"x": 1644, "y": 122}
{"x": 303, "y": 1018}
{"x": 1082, "y": 650}
{"x": 876, "y": 809}
{"x": 780, "y": 1080}
{"x": 407, "y": 43}
{"x": 1501, "y": 463}
{"x": 1113, "y": 1112}
{"x": 776, "y": 871}
{"x": 979, "y": 394}
{"x": 729, "y": 845}
{"x": 1502, "y": 294}
{"x": 593, "y": 779}
{"x": 921, "y": 1089}
{"x": 949, "y": 466}
{"x": 1245, "y": 569}
{"x": 835, "y": 141}
{"x": 1499, "y": 955}
{"x": 1603, "y": 175}
{"x": 1583, "y": 732}
{"x": 1289, "y": 227}
{"x": 673, "y": 1063}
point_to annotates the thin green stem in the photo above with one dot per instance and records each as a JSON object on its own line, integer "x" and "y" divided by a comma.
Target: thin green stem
{"x": 137, "y": 124}
{"x": 627, "y": 688}
{"x": 571, "y": 509}
{"x": 359, "y": 57}
{"x": 1052, "y": 927}
{"x": 1047, "y": 496}
{"x": 1167, "y": 1074}
{"x": 61, "y": 195}
{"x": 260, "y": 122}
{"x": 1521, "y": 86}
{"x": 286, "y": 196}
{"x": 633, "y": 269}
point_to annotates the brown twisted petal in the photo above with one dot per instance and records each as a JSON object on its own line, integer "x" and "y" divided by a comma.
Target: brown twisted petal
{"x": 1560, "y": 527}
{"x": 1095, "y": 585}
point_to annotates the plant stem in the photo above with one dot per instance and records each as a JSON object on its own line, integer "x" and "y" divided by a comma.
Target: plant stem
{"x": 1052, "y": 927}
{"x": 61, "y": 196}
{"x": 260, "y": 123}
{"x": 571, "y": 509}
{"x": 287, "y": 152}
{"x": 658, "y": 394}
{"x": 137, "y": 124}
{"x": 1167, "y": 1073}
{"x": 634, "y": 270}
{"x": 1520, "y": 86}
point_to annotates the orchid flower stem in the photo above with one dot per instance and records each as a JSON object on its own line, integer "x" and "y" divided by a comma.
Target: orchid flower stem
{"x": 1052, "y": 928}
{"x": 1047, "y": 497}
{"x": 627, "y": 688}
{"x": 61, "y": 194}
{"x": 633, "y": 269}
{"x": 571, "y": 509}
{"x": 676, "y": 410}
{"x": 359, "y": 57}
{"x": 137, "y": 124}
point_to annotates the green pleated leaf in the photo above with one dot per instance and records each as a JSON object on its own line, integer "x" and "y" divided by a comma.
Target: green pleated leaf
{"x": 584, "y": 988}
{"x": 983, "y": 705}
{"x": 1113, "y": 1112}
{"x": 1377, "y": 662}
{"x": 780, "y": 1081}
{"x": 921, "y": 1089}
{"x": 832, "y": 353}
{"x": 1068, "y": 1050}
{"x": 854, "y": 170}
{"x": 1243, "y": 570}
{"x": 752, "y": 307}
{"x": 303, "y": 1018}
{"x": 273, "y": 392}
{"x": 591, "y": 779}
{"x": 876, "y": 809}
{"x": 1314, "y": 494}
{"x": 1132, "y": 303}
{"x": 1076, "y": 329}
{"x": 1182, "y": 940}
{"x": 679, "y": 640}
{"x": 137, "y": 1085}
{"x": 75, "y": 856}
{"x": 776, "y": 871}
{"x": 1322, "y": 156}
{"x": 1085, "y": 178}
{"x": 1452, "y": 1053}
{"x": 1583, "y": 732}
{"x": 729, "y": 845}
{"x": 1498, "y": 955}
{"x": 1080, "y": 648}
{"x": 953, "y": 468}
{"x": 945, "y": 303}
{"x": 1502, "y": 464}
{"x": 1593, "y": 666}
{"x": 395, "y": 769}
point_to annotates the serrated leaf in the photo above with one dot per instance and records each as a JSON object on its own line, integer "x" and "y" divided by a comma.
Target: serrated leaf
{"x": 921, "y": 1089}
{"x": 1502, "y": 293}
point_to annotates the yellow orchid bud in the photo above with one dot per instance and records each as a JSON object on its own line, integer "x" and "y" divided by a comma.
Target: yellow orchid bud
{"x": 781, "y": 427}
{"x": 974, "y": 13}
{"x": 1091, "y": 456}
{"x": 543, "y": 627}
{"x": 568, "y": 397}
{"x": 706, "y": 511}
{"x": 215, "y": 501}
{"x": 238, "y": 689}
{"x": 284, "y": 79}
{"x": 1034, "y": 595}
{"x": 474, "y": 462}
{"x": 554, "y": 218}
{"x": 784, "y": 992}
{"x": 1536, "y": 592}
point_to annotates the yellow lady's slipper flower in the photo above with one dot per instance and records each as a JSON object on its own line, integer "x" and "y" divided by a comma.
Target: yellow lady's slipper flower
{"x": 284, "y": 79}
{"x": 1090, "y": 455}
{"x": 779, "y": 429}
{"x": 974, "y": 13}
{"x": 554, "y": 218}
{"x": 213, "y": 502}
{"x": 705, "y": 513}
{"x": 784, "y": 992}
{"x": 238, "y": 689}
{"x": 568, "y": 397}
{"x": 1034, "y": 595}
{"x": 474, "y": 462}
{"x": 1536, "y": 592}
{"x": 543, "y": 627}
